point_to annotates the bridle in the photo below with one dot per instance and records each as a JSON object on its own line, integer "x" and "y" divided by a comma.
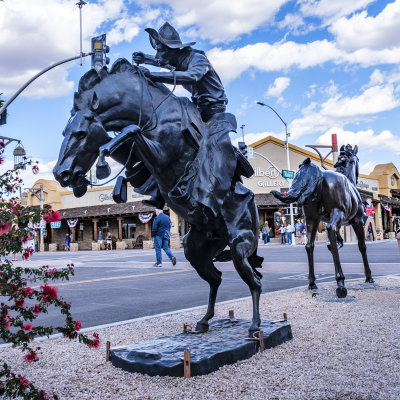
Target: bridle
{"x": 147, "y": 125}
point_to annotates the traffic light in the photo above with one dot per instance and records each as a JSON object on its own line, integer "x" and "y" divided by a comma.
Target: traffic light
{"x": 243, "y": 148}
{"x": 3, "y": 117}
{"x": 99, "y": 51}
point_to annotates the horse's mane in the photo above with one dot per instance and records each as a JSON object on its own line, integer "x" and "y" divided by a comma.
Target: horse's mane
{"x": 91, "y": 78}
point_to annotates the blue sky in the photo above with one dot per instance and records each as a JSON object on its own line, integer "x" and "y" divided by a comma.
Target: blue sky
{"x": 325, "y": 66}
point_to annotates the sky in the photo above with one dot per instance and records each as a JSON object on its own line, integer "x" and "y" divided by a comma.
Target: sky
{"x": 325, "y": 66}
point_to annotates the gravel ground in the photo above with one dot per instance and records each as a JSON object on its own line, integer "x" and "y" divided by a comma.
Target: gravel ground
{"x": 340, "y": 350}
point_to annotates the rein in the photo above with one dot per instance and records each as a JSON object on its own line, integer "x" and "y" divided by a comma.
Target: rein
{"x": 145, "y": 127}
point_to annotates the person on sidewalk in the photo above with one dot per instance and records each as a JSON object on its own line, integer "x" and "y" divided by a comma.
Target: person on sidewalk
{"x": 67, "y": 242}
{"x": 283, "y": 234}
{"x": 289, "y": 233}
{"x": 109, "y": 241}
{"x": 265, "y": 233}
{"x": 161, "y": 234}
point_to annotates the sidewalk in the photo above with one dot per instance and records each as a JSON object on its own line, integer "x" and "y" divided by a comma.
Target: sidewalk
{"x": 340, "y": 350}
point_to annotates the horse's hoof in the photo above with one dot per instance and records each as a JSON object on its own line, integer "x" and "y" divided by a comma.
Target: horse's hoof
{"x": 201, "y": 327}
{"x": 369, "y": 280}
{"x": 312, "y": 286}
{"x": 341, "y": 292}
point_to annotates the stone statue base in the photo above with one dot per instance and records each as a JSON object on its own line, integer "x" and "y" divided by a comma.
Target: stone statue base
{"x": 225, "y": 343}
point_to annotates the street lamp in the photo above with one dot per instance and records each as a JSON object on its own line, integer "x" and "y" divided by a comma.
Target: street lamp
{"x": 287, "y": 134}
{"x": 19, "y": 154}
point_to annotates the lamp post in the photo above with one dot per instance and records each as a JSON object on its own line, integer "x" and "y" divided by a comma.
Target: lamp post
{"x": 287, "y": 134}
{"x": 39, "y": 194}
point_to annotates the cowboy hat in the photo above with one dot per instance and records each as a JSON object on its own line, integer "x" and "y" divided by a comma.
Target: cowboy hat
{"x": 168, "y": 36}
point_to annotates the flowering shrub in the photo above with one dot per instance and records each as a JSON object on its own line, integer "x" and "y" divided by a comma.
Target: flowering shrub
{"x": 25, "y": 293}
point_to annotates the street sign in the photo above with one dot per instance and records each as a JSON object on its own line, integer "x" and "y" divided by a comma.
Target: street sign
{"x": 42, "y": 223}
{"x": 56, "y": 224}
{"x": 43, "y": 232}
{"x": 250, "y": 152}
{"x": 287, "y": 174}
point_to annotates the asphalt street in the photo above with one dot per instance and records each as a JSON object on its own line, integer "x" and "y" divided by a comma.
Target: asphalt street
{"x": 114, "y": 286}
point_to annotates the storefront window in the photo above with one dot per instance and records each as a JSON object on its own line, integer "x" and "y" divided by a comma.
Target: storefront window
{"x": 128, "y": 228}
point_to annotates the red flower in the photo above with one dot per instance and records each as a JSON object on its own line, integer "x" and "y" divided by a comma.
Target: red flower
{"x": 36, "y": 309}
{"x": 49, "y": 291}
{"x": 35, "y": 169}
{"x": 56, "y": 216}
{"x": 27, "y": 327}
{"x": 28, "y": 291}
{"x": 8, "y": 325}
{"x": 23, "y": 381}
{"x": 95, "y": 343}
{"x": 31, "y": 357}
{"x": 78, "y": 325}
{"x": 19, "y": 303}
{"x": 4, "y": 227}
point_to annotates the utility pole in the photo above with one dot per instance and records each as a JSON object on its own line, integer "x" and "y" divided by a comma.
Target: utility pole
{"x": 80, "y": 4}
{"x": 287, "y": 156}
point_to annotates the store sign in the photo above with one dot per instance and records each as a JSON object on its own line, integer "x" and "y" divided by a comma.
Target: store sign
{"x": 55, "y": 225}
{"x": 104, "y": 197}
{"x": 270, "y": 176}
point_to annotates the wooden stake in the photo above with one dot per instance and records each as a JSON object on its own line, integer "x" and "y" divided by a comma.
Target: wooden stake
{"x": 261, "y": 337}
{"x": 108, "y": 346}
{"x": 231, "y": 314}
{"x": 186, "y": 364}
{"x": 285, "y": 316}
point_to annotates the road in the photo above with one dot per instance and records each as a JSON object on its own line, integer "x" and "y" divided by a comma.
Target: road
{"x": 114, "y": 286}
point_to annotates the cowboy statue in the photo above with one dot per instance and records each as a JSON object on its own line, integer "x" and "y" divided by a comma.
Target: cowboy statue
{"x": 218, "y": 163}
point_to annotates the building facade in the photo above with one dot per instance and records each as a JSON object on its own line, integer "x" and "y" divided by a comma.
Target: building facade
{"x": 96, "y": 212}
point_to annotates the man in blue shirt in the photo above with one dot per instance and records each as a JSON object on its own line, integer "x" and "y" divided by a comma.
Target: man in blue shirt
{"x": 161, "y": 234}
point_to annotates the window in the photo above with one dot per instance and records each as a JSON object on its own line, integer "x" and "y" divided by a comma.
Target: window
{"x": 128, "y": 228}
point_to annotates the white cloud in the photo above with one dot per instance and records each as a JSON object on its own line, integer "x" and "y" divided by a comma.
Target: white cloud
{"x": 364, "y": 139}
{"x": 219, "y": 21}
{"x": 36, "y": 34}
{"x": 278, "y": 87}
{"x": 231, "y": 63}
{"x": 364, "y": 32}
{"x": 341, "y": 110}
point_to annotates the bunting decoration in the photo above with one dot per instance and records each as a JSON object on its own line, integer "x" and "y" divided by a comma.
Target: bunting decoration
{"x": 144, "y": 218}
{"x": 387, "y": 207}
{"x": 72, "y": 222}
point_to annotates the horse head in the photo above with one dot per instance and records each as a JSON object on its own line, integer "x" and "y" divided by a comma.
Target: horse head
{"x": 307, "y": 178}
{"x": 100, "y": 105}
{"x": 347, "y": 163}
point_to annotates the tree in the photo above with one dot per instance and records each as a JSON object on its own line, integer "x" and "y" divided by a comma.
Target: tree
{"x": 27, "y": 291}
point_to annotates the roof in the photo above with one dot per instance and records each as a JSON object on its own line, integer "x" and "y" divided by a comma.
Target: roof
{"x": 267, "y": 199}
{"x": 105, "y": 210}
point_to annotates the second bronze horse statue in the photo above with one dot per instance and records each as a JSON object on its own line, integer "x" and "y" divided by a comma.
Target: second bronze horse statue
{"x": 158, "y": 139}
{"x": 330, "y": 197}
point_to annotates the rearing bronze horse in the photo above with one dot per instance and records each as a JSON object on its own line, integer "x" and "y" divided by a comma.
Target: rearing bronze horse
{"x": 156, "y": 150}
{"x": 331, "y": 197}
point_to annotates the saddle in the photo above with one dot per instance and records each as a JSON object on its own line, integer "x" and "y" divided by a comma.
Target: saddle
{"x": 193, "y": 129}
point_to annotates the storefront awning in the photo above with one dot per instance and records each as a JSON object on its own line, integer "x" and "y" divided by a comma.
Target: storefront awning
{"x": 105, "y": 210}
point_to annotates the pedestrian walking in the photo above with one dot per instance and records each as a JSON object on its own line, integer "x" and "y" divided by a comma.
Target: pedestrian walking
{"x": 67, "y": 242}
{"x": 289, "y": 233}
{"x": 265, "y": 233}
{"x": 161, "y": 234}
{"x": 283, "y": 234}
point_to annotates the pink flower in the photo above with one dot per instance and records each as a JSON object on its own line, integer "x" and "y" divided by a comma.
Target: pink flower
{"x": 28, "y": 291}
{"x": 8, "y": 325}
{"x": 56, "y": 216}
{"x": 36, "y": 309}
{"x": 49, "y": 291}
{"x": 27, "y": 327}
{"x": 78, "y": 325}
{"x": 23, "y": 381}
{"x": 31, "y": 357}
{"x": 35, "y": 169}
{"x": 19, "y": 303}
{"x": 4, "y": 227}
{"x": 95, "y": 343}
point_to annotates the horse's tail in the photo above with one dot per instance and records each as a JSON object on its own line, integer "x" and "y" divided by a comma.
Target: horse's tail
{"x": 307, "y": 179}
